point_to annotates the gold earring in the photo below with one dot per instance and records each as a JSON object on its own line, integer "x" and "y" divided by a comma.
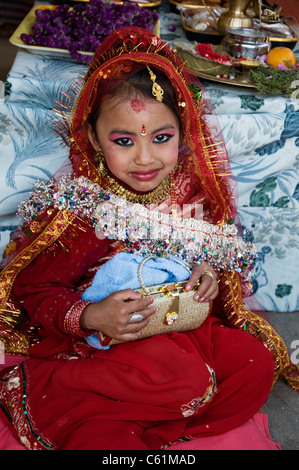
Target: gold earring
{"x": 100, "y": 160}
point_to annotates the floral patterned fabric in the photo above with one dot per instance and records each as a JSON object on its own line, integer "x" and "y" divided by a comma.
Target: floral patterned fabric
{"x": 262, "y": 138}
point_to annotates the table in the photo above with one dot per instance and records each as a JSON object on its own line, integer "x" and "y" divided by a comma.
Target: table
{"x": 262, "y": 138}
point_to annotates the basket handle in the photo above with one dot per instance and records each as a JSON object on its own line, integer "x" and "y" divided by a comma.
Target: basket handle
{"x": 153, "y": 257}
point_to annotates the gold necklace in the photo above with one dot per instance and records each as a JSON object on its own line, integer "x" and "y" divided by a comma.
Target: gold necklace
{"x": 156, "y": 196}
{"x": 159, "y": 194}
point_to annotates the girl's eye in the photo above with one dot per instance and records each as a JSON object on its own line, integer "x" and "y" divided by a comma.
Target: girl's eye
{"x": 161, "y": 138}
{"x": 123, "y": 141}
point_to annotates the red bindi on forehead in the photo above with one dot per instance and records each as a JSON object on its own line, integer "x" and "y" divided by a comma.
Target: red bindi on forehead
{"x": 137, "y": 105}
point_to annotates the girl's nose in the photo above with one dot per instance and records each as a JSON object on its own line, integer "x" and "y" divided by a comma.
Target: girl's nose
{"x": 144, "y": 155}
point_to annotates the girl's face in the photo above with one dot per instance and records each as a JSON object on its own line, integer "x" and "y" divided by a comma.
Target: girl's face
{"x": 139, "y": 138}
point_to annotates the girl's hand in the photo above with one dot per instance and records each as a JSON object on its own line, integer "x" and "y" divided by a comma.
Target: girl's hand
{"x": 112, "y": 315}
{"x": 208, "y": 288}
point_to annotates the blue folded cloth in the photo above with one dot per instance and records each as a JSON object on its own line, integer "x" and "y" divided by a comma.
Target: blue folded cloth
{"x": 121, "y": 272}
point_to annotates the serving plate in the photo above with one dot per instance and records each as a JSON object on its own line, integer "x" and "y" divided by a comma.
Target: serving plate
{"x": 191, "y": 7}
{"x": 283, "y": 41}
{"x": 211, "y": 37}
{"x": 227, "y": 81}
{"x": 212, "y": 70}
{"x": 146, "y": 4}
{"x": 25, "y": 27}
{"x": 68, "y": 2}
{"x": 198, "y": 63}
{"x": 191, "y": 4}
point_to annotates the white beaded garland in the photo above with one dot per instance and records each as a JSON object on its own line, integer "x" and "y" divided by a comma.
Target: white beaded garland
{"x": 145, "y": 230}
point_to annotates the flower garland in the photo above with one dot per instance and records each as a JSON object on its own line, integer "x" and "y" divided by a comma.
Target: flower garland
{"x": 144, "y": 230}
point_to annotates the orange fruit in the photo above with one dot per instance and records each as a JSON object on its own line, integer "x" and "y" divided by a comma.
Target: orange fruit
{"x": 281, "y": 56}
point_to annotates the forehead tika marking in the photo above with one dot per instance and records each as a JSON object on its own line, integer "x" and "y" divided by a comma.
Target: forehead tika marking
{"x": 137, "y": 105}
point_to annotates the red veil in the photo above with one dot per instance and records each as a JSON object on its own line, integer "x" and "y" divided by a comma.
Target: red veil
{"x": 203, "y": 175}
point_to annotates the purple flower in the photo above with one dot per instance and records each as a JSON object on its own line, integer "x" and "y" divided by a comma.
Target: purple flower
{"x": 262, "y": 58}
{"x": 84, "y": 26}
{"x": 282, "y": 67}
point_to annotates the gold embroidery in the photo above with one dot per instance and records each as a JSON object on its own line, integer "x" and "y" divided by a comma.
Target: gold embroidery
{"x": 13, "y": 398}
{"x": 10, "y": 248}
{"x": 17, "y": 341}
{"x": 191, "y": 408}
{"x": 242, "y": 318}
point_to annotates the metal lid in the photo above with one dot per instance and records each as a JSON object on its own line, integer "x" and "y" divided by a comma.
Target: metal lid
{"x": 249, "y": 35}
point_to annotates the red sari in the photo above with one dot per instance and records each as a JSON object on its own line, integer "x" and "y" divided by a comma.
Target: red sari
{"x": 139, "y": 395}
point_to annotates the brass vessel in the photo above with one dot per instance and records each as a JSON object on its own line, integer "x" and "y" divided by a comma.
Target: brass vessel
{"x": 235, "y": 16}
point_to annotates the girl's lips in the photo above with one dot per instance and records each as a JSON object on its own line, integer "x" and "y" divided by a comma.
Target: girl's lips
{"x": 145, "y": 175}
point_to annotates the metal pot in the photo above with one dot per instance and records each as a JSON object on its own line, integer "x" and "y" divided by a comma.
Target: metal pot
{"x": 235, "y": 16}
{"x": 246, "y": 42}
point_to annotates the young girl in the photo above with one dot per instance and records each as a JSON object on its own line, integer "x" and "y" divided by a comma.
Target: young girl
{"x": 139, "y": 143}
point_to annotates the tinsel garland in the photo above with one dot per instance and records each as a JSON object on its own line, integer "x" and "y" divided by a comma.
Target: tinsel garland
{"x": 144, "y": 230}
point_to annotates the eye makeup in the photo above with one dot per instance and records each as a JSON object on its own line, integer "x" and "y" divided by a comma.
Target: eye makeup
{"x": 163, "y": 135}
{"x": 171, "y": 132}
{"x": 118, "y": 134}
